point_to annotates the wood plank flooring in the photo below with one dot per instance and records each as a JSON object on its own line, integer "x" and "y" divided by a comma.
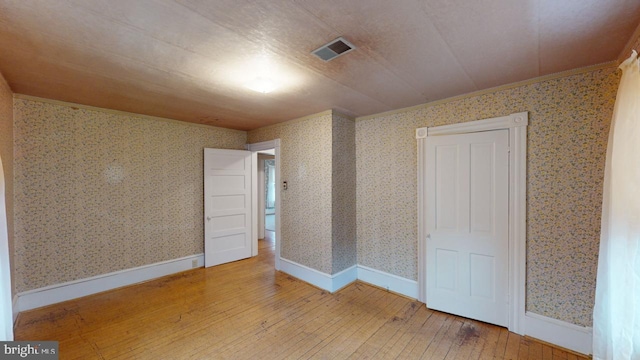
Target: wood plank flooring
{"x": 246, "y": 310}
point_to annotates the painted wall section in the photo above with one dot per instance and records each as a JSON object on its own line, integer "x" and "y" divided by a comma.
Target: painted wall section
{"x": 6, "y": 152}
{"x": 343, "y": 193}
{"x": 305, "y": 164}
{"x": 567, "y": 137}
{"x": 97, "y": 191}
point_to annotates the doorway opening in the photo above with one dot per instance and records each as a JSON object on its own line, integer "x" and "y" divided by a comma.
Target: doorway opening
{"x": 266, "y": 200}
{"x": 266, "y": 205}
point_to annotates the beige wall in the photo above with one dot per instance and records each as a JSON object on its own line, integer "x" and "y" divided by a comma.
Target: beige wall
{"x": 98, "y": 191}
{"x": 567, "y": 135}
{"x": 6, "y": 153}
{"x": 305, "y": 164}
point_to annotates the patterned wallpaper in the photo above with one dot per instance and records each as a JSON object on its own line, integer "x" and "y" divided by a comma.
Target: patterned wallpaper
{"x": 567, "y": 135}
{"x": 6, "y": 153}
{"x": 305, "y": 217}
{"x": 343, "y": 193}
{"x": 387, "y": 194}
{"x": 97, "y": 192}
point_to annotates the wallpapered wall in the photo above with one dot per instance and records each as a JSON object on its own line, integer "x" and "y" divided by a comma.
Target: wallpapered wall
{"x": 97, "y": 192}
{"x": 569, "y": 122}
{"x": 6, "y": 153}
{"x": 343, "y": 193}
{"x": 305, "y": 164}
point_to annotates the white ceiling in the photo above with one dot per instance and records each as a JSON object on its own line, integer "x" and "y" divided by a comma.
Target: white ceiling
{"x": 190, "y": 59}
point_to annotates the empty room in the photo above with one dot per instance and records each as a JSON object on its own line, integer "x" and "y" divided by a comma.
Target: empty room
{"x": 187, "y": 179}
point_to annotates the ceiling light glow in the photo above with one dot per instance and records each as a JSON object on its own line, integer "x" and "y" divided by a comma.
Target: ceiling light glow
{"x": 262, "y": 85}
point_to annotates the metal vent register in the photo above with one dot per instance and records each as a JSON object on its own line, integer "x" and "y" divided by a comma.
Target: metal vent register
{"x": 333, "y": 49}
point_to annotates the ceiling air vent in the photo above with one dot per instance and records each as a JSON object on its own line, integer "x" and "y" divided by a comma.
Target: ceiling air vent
{"x": 332, "y": 50}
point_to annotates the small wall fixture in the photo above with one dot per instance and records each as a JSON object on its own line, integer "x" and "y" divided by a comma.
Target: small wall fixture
{"x": 261, "y": 85}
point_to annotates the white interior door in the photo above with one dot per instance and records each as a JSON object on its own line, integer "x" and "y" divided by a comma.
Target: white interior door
{"x": 467, "y": 186}
{"x": 227, "y": 206}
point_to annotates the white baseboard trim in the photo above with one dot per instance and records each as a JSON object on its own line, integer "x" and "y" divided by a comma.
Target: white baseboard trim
{"x": 324, "y": 281}
{"x": 307, "y": 274}
{"x": 560, "y": 333}
{"x": 78, "y": 288}
{"x": 388, "y": 281}
{"x": 14, "y": 308}
{"x": 344, "y": 277}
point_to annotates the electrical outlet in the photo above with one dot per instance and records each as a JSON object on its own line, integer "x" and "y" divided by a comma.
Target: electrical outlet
{"x": 194, "y": 263}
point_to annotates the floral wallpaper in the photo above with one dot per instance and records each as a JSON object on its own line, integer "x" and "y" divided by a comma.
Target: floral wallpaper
{"x": 343, "y": 193}
{"x": 306, "y": 209}
{"x": 568, "y": 126}
{"x": 6, "y": 153}
{"x": 97, "y": 192}
{"x": 387, "y": 194}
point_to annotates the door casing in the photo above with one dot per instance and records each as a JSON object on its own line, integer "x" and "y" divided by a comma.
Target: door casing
{"x": 517, "y": 125}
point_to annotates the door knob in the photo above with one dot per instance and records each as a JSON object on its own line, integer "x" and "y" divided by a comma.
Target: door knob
{"x": 208, "y": 218}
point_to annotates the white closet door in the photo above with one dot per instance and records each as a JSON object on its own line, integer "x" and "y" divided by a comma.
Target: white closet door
{"x": 467, "y": 220}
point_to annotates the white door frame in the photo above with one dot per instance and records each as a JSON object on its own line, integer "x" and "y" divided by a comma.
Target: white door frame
{"x": 254, "y": 148}
{"x": 517, "y": 125}
{"x": 6, "y": 307}
{"x": 261, "y": 198}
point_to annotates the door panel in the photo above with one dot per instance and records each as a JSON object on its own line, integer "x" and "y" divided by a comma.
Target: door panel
{"x": 482, "y": 269}
{"x": 467, "y": 221}
{"x": 446, "y": 180}
{"x": 446, "y": 269}
{"x": 231, "y": 202}
{"x": 227, "y": 189}
{"x": 481, "y": 197}
{"x": 223, "y": 183}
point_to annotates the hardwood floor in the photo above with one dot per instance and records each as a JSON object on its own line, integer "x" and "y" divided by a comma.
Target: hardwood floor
{"x": 246, "y": 310}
